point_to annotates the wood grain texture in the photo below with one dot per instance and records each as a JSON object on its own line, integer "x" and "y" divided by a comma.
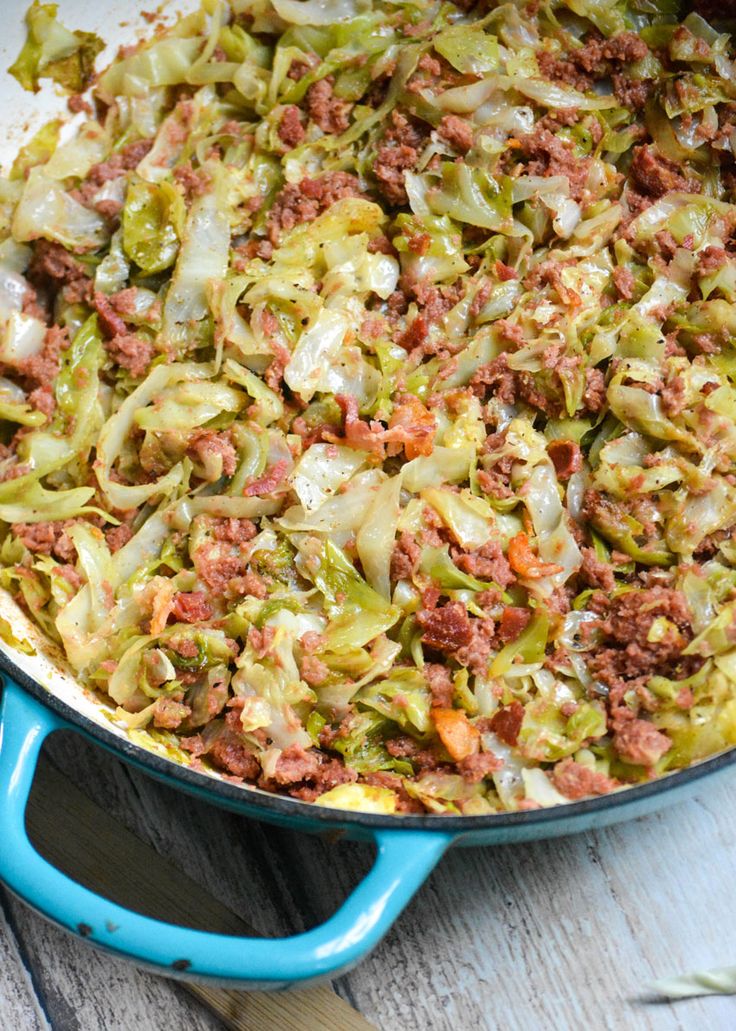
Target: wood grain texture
{"x": 555, "y": 935}
{"x": 111, "y": 860}
{"x": 19, "y": 1006}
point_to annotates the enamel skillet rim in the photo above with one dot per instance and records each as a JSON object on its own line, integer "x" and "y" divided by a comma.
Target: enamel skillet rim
{"x": 245, "y": 796}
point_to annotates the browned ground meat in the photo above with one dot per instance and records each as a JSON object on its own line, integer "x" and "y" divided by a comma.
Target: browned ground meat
{"x": 548, "y": 155}
{"x": 124, "y": 302}
{"x": 118, "y": 536}
{"x": 405, "y": 747}
{"x": 415, "y": 335}
{"x": 42, "y": 399}
{"x": 47, "y": 538}
{"x": 291, "y": 132}
{"x": 596, "y": 573}
{"x": 575, "y": 781}
{"x": 216, "y": 567}
{"x": 405, "y": 557}
{"x": 33, "y": 305}
{"x": 594, "y": 394}
{"x": 626, "y": 652}
{"x": 294, "y": 764}
{"x": 130, "y": 351}
{"x": 398, "y": 152}
{"x": 476, "y": 653}
{"x": 307, "y": 774}
{"x": 304, "y": 201}
{"x": 655, "y": 174}
{"x": 475, "y": 767}
{"x": 77, "y": 103}
{"x": 496, "y": 379}
{"x": 487, "y": 563}
{"x": 641, "y": 743}
{"x": 229, "y": 753}
{"x": 250, "y": 584}
{"x": 673, "y": 395}
{"x": 457, "y": 132}
{"x": 592, "y": 60}
{"x": 710, "y": 259}
{"x": 513, "y": 621}
{"x": 561, "y": 70}
{"x": 206, "y": 445}
{"x": 313, "y": 670}
{"x": 110, "y": 321}
{"x": 270, "y": 480}
{"x": 124, "y": 160}
{"x": 329, "y": 112}
{"x": 440, "y": 684}
{"x": 623, "y": 280}
{"x": 493, "y": 484}
{"x": 631, "y": 93}
{"x": 193, "y": 182}
{"x": 42, "y": 368}
{"x": 496, "y": 375}
{"x": 236, "y": 531}
{"x": 191, "y": 608}
{"x": 53, "y": 268}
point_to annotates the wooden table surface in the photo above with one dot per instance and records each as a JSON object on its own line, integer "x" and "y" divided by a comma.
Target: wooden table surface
{"x": 557, "y": 935}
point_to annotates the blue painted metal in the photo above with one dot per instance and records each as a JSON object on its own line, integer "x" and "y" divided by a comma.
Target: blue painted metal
{"x": 402, "y": 864}
{"x": 407, "y": 850}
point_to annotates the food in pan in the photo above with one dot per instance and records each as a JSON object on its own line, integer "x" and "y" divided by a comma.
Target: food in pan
{"x": 368, "y": 405}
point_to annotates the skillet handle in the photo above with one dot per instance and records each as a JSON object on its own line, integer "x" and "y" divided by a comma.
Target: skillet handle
{"x": 405, "y": 858}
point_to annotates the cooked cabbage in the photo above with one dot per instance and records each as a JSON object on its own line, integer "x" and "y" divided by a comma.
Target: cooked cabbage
{"x": 368, "y": 401}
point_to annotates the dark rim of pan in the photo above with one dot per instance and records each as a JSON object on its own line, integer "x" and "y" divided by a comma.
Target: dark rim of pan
{"x": 247, "y": 795}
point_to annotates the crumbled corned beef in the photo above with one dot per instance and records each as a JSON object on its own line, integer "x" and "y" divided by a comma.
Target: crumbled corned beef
{"x": 473, "y": 768}
{"x": 131, "y": 352}
{"x": 303, "y": 202}
{"x": 457, "y": 132}
{"x": 290, "y": 130}
{"x": 486, "y": 563}
{"x": 397, "y": 153}
{"x": 574, "y": 781}
{"x": 191, "y": 607}
{"x": 47, "y": 538}
{"x": 440, "y": 684}
{"x": 638, "y": 741}
{"x": 329, "y": 112}
{"x": 655, "y": 174}
{"x": 211, "y": 448}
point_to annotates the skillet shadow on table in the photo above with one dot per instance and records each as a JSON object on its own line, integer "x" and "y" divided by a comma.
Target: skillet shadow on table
{"x": 553, "y": 933}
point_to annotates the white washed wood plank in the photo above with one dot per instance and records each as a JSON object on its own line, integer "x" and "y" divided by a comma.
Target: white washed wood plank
{"x": 86, "y": 990}
{"x": 565, "y": 934}
{"x": 19, "y": 1006}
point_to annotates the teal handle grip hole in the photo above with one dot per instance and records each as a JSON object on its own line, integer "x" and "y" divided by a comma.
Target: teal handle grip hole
{"x": 404, "y": 859}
